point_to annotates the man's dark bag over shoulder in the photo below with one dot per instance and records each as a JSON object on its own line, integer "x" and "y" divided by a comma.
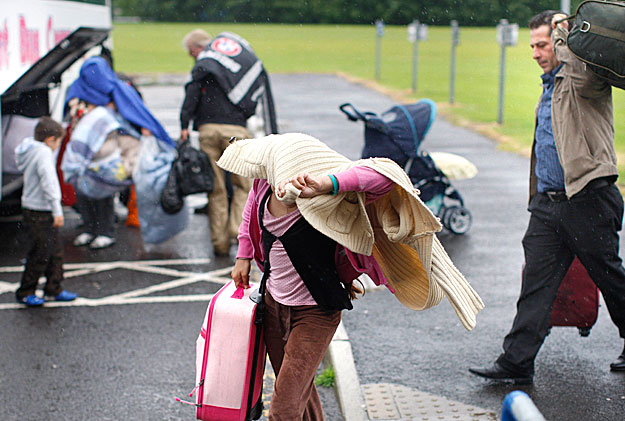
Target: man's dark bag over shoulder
{"x": 191, "y": 172}
{"x": 597, "y": 37}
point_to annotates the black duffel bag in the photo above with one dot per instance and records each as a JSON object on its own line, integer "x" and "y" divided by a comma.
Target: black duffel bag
{"x": 172, "y": 199}
{"x": 597, "y": 37}
{"x": 190, "y": 173}
{"x": 193, "y": 169}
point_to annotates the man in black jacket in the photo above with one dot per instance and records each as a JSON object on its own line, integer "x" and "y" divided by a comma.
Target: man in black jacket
{"x": 217, "y": 119}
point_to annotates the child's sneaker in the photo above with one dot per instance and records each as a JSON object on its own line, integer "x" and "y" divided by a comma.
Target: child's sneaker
{"x": 83, "y": 239}
{"x": 31, "y": 300}
{"x": 62, "y": 296}
{"x": 102, "y": 241}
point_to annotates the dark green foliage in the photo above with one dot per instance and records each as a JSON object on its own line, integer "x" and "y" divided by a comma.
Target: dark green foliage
{"x": 394, "y": 12}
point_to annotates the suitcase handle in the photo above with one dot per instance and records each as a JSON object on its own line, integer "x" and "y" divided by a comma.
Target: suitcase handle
{"x": 238, "y": 293}
{"x": 187, "y": 402}
{"x": 191, "y": 395}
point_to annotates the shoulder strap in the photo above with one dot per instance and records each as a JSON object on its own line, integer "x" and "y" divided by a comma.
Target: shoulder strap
{"x": 259, "y": 299}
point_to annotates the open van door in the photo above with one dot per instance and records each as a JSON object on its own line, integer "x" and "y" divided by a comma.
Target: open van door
{"x": 29, "y": 98}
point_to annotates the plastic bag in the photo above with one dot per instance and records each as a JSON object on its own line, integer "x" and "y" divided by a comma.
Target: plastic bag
{"x": 150, "y": 176}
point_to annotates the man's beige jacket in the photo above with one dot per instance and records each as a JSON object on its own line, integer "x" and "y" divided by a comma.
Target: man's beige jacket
{"x": 582, "y": 122}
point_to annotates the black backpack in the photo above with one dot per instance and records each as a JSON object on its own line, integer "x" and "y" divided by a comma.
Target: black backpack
{"x": 597, "y": 37}
{"x": 191, "y": 172}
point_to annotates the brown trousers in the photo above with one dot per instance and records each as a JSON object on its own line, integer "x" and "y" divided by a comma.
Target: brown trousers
{"x": 297, "y": 338}
{"x": 224, "y": 220}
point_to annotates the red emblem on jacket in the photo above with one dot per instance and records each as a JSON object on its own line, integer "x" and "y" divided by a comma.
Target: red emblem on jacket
{"x": 227, "y": 46}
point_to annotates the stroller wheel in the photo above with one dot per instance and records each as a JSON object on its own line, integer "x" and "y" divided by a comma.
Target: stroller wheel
{"x": 457, "y": 219}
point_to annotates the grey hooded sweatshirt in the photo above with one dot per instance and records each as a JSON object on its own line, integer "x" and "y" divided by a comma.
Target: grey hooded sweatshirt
{"x": 42, "y": 191}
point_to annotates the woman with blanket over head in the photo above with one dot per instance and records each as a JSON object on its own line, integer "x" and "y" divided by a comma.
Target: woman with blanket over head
{"x": 309, "y": 212}
{"x": 104, "y": 145}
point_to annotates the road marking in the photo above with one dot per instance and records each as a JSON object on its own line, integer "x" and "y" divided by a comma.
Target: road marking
{"x": 137, "y": 296}
{"x": 164, "y": 262}
{"x": 111, "y": 301}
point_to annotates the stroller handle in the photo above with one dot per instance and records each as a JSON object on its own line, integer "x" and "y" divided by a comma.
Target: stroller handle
{"x": 354, "y": 114}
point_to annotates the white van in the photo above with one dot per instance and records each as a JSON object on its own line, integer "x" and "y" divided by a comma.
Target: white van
{"x": 42, "y": 43}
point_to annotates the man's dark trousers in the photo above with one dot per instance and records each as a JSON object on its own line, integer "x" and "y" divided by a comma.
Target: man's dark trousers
{"x": 585, "y": 226}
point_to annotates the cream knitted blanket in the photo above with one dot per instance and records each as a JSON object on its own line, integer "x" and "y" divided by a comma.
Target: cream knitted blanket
{"x": 398, "y": 229}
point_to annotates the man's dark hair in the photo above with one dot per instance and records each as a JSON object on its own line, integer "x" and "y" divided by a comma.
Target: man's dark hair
{"x": 543, "y": 18}
{"x": 48, "y": 127}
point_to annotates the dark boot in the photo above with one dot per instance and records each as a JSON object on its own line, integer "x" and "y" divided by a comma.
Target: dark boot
{"x": 619, "y": 364}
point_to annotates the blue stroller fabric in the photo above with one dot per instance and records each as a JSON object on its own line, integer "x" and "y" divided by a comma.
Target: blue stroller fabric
{"x": 397, "y": 134}
{"x": 99, "y": 85}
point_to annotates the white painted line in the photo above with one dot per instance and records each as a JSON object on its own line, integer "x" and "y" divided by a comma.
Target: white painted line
{"x": 164, "y": 286}
{"x": 107, "y": 301}
{"x": 7, "y": 287}
{"x": 137, "y": 296}
{"x": 79, "y": 272}
{"x": 164, "y": 262}
{"x": 155, "y": 269}
{"x": 85, "y": 271}
{"x": 173, "y": 262}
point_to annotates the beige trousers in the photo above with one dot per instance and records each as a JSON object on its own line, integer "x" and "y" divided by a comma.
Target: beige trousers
{"x": 224, "y": 220}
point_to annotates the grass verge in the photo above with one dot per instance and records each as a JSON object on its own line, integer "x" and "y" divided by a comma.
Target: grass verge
{"x": 350, "y": 50}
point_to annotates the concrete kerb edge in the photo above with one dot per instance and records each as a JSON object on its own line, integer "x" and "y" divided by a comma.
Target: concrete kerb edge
{"x": 346, "y": 381}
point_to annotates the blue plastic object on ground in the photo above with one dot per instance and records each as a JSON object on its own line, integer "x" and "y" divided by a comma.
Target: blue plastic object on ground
{"x": 518, "y": 406}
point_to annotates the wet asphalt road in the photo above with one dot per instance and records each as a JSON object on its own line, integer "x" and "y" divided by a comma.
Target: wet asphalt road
{"x": 126, "y": 357}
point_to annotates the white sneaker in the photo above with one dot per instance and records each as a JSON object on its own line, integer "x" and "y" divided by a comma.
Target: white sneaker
{"x": 83, "y": 239}
{"x": 102, "y": 241}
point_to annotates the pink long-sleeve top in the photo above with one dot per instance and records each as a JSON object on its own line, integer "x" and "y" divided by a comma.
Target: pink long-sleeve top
{"x": 284, "y": 283}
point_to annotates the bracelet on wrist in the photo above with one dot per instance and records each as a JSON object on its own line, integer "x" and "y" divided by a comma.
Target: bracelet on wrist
{"x": 335, "y": 185}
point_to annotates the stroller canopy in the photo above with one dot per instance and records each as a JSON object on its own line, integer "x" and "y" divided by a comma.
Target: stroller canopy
{"x": 396, "y": 133}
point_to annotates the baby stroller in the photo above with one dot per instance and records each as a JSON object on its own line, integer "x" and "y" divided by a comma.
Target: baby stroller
{"x": 397, "y": 134}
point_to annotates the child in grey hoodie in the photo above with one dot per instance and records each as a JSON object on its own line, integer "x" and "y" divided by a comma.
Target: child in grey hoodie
{"x": 43, "y": 214}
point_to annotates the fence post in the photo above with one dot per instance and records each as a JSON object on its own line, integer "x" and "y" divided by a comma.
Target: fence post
{"x": 455, "y": 37}
{"x": 379, "y": 32}
{"x": 507, "y": 35}
{"x": 565, "y": 6}
{"x": 413, "y": 36}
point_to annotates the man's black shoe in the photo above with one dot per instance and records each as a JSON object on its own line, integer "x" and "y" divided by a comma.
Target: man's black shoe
{"x": 619, "y": 364}
{"x": 499, "y": 374}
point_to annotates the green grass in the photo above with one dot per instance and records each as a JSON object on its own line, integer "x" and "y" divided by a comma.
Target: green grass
{"x": 350, "y": 49}
{"x": 325, "y": 378}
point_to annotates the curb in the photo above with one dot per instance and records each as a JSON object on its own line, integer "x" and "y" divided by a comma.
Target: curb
{"x": 347, "y": 383}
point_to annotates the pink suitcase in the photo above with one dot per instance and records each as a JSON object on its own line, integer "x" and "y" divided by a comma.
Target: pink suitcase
{"x": 227, "y": 372}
